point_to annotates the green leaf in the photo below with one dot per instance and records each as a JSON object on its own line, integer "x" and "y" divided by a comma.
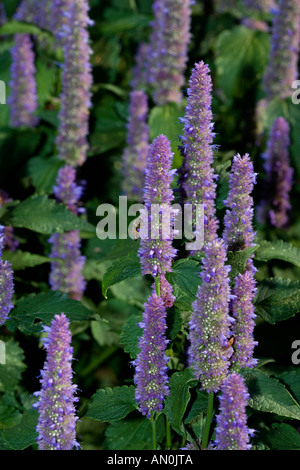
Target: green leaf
{"x": 130, "y": 335}
{"x": 185, "y": 280}
{"x": 125, "y": 268}
{"x": 198, "y": 407}
{"x": 44, "y": 215}
{"x": 11, "y": 371}
{"x": 277, "y": 299}
{"x": 24, "y": 259}
{"x": 112, "y": 404}
{"x": 240, "y": 52}
{"x": 43, "y": 172}
{"x": 102, "y": 333}
{"x": 267, "y": 394}
{"x": 24, "y": 434}
{"x": 16, "y": 27}
{"x": 238, "y": 259}
{"x": 278, "y": 250}
{"x": 176, "y": 403}
{"x": 165, "y": 120}
{"x": 44, "y": 306}
{"x": 282, "y": 436}
{"x": 133, "y": 434}
{"x": 291, "y": 378}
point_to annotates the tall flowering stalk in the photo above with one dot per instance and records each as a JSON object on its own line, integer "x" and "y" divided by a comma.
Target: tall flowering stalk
{"x": 239, "y": 235}
{"x": 136, "y": 151}
{"x": 209, "y": 352}
{"x": 168, "y": 49}
{"x": 23, "y": 99}
{"x": 66, "y": 271}
{"x": 56, "y": 400}
{"x": 151, "y": 378}
{"x": 276, "y": 205}
{"x": 197, "y": 174}
{"x": 282, "y": 68}
{"x": 72, "y": 31}
{"x": 232, "y": 432}
{"x": 6, "y": 283}
{"x": 156, "y": 251}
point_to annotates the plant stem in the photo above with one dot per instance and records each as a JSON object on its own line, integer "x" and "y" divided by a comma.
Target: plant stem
{"x": 157, "y": 286}
{"x": 208, "y": 420}
{"x": 168, "y": 435}
{"x": 154, "y": 434}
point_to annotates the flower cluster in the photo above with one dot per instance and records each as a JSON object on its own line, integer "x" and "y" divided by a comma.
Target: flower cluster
{"x": 71, "y": 140}
{"x": 282, "y": 68}
{"x": 276, "y": 205}
{"x": 209, "y": 352}
{"x": 136, "y": 152}
{"x": 6, "y": 283}
{"x": 232, "y": 432}
{"x": 23, "y": 98}
{"x": 56, "y": 400}
{"x": 168, "y": 49}
{"x": 156, "y": 251}
{"x": 151, "y": 378}
{"x": 66, "y": 268}
{"x": 197, "y": 174}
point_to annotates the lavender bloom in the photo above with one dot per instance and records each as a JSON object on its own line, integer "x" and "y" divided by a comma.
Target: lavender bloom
{"x": 9, "y": 240}
{"x": 282, "y": 69}
{"x": 151, "y": 377}
{"x": 198, "y": 178}
{"x": 156, "y": 251}
{"x": 139, "y": 72}
{"x": 168, "y": 49}
{"x": 209, "y": 353}
{"x": 57, "y": 418}
{"x": 238, "y": 232}
{"x": 23, "y": 99}
{"x": 279, "y": 175}
{"x": 6, "y": 282}
{"x": 257, "y": 25}
{"x": 166, "y": 291}
{"x": 71, "y": 140}
{"x": 242, "y": 310}
{"x": 136, "y": 152}
{"x": 66, "y": 273}
{"x": 232, "y": 432}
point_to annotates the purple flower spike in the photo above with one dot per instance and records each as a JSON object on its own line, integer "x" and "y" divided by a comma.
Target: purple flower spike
{"x": 276, "y": 206}
{"x": 57, "y": 418}
{"x": 238, "y": 233}
{"x": 209, "y": 352}
{"x": 156, "y": 251}
{"x": 151, "y": 378}
{"x": 232, "y": 432}
{"x": 23, "y": 98}
{"x": 73, "y": 34}
{"x": 166, "y": 291}
{"x": 242, "y": 310}
{"x": 6, "y": 282}
{"x": 282, "y": 69}
{"x": 168, "y": 49}
{"x": 197, "y": 174}
{"x": 66, "y": 271}
{"x": 136, "y": 152}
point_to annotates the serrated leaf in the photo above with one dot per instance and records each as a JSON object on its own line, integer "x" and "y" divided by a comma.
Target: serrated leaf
{"x": 278, "y": 250}
{"x": 178, "y": 399}
{"x": 185, "y": 281}
{"x": 277, "y": 299}
{"x": 112, "y": 404}
{"x": 24, "y": 434}
{"x": 43, "y": 172}
{"x": 11, "y": 371}
{"x": 130, "y": 335}
{"x": 240, "y": 52}
{"x": 267, "y": 394}
{"x": 125, "y": 268}
{"x": 165, "y": 120}
{"x": 238, "y": 259}
{"x": 133, "y": 434}
{"x": 282, "y": 436}
{"x": 44, "y": 215}
{"x": 198, "y": 407}
{"x": 103, "y": 334}
{"x": 44, "y": 306}
{"x": 24, "y": 259}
